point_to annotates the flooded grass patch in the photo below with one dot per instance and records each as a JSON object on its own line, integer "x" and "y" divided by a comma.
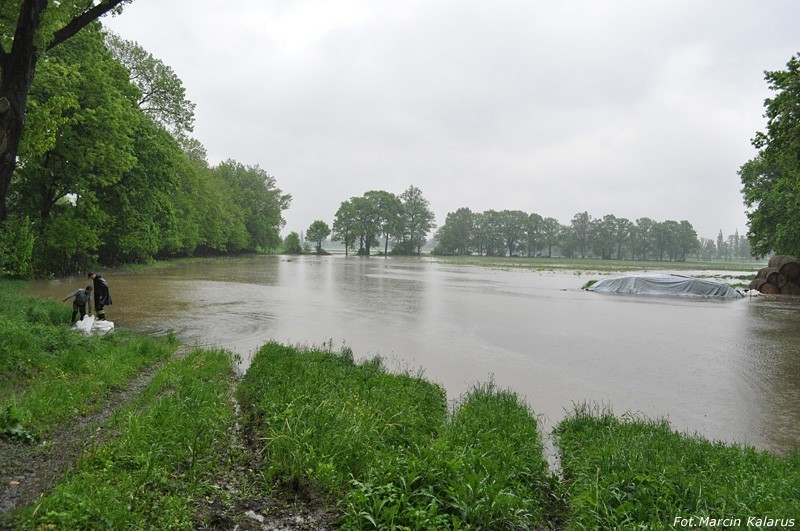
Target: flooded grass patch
{"x": 637, "y": 473}
{"x": 385, "y": 445}
{"x": 160, "y": 464}
{"x": 589, "y": 265}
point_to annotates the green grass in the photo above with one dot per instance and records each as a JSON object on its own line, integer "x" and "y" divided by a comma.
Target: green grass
{"x": 640, "y": 474}
{"x": 485, "y": 470}
{"x": 384, "y": 445}
{"x": 54, "y": 373}
{"x": 152, "y": 475}
{"x": 324, "y": 419}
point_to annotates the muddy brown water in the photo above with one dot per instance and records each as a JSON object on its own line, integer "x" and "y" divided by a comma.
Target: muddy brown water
{"x": 728, "y": 370}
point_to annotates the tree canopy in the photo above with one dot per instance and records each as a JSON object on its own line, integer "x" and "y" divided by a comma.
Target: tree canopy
{"x": 771, "y": 180}
{"x": 105, "y": 179}
{"x": 28, "y": 29}
{"x": 404, "y": 220}
{"x": 515, "y": 233}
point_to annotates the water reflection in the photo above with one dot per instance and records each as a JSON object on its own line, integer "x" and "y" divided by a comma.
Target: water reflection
{"x": 727, "y": 370}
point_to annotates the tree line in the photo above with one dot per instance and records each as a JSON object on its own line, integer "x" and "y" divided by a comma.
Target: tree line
{"x": 107, "y": 172}
{"x": 374, "y": 218}
{"x": 517, "y": 233}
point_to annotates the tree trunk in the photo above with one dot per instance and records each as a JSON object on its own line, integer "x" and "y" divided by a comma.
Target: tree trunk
{"x": 17, "y": 67}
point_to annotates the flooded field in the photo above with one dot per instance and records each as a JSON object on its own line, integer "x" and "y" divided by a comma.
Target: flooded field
{"x": 729, "y": 370}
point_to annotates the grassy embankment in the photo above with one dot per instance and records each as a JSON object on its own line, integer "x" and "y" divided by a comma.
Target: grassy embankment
{"x": 633, "y": 473}
{"x": 383, "y": 448}
{"x": 52, "y": 373}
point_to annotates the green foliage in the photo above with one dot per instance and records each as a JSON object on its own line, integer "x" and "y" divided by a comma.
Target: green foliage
{"x": 104, "y": 180}
{"x": 639, "y": 474}
{"x": 168, "y": 444}
{"x": 162, "y": 95}
{"x": 16, "y": 248}
{"x": 407, "y": 218}
{"x": 514, "y": 233}
{"x": 317, "y": 232}
{"x": 771, "y": 181}
{"x": 260, "y": 202}
{"x": 291, "y": 244}
{"x": 140, "y": 207}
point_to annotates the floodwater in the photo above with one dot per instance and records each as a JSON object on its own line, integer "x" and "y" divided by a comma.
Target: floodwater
{"x": 728, "y": 370}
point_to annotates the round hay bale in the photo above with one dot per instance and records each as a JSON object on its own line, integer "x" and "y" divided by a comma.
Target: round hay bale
{"x": 770, "y": 275}
{"x": 791, "y": 289}
{"x": 756, "y": 283}
{"x": 790, "y": 269}
{"x": 768, "y": 289}
{"x": 778, "y": 259}
{"x": 762, "y": 273}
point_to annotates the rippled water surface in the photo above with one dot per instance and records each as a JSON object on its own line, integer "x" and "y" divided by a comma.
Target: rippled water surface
{"x": 729, "y": 370}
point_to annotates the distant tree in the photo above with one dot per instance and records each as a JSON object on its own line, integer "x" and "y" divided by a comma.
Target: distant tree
{"x": 418, "y": 220}
{"x": 345, "y": 225}
{"x": 708, "y": 249}
{"x": 622, "y": 235}
{"x": 688, "y": 242}
{"x": 317, "y": 232}
{"x": 390, "y": 213}
{"x": 38, "y": 26}
{"x": 490, "y": 231}
{"x": 513, "y": 225}
{"x": 582, "y": 232}
{"x": 455, "y": 235}
{"x": 771, "y": 180}
{"x": 551, "y": 234}
{"x": 291, "y": 244}
{"x": 533, "y": 233}
{"x": 644, "y": 237}
{"x": 368, "y": 222}
{"x": 604, "y": 236}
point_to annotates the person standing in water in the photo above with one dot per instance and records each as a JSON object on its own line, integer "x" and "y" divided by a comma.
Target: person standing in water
{"x": 82, "y": 297}
{"x": 101, "y": 295}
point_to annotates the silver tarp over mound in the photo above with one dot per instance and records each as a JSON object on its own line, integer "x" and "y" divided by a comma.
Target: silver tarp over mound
{"x": 675, "y": 285}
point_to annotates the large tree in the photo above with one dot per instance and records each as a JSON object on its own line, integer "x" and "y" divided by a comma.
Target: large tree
{"x": 345, "y": 225}
{"x": 771, "y": 181}
{"x": 162, "y": 95}
{"x": 417, "y": 221}
{"x": 39, "y": 25}
{"x": 317, "y": 232}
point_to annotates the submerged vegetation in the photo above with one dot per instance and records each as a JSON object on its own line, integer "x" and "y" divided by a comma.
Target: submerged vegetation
{"x": 366, "y": 447}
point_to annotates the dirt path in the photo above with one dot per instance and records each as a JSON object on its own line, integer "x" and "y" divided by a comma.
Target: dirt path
{"x": 29, "y": 470}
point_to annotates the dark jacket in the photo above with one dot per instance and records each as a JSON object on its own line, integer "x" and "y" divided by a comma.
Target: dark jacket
{"x": 101, "y": 294}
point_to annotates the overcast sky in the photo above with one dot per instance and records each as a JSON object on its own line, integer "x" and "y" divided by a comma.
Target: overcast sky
{"x": 633, "y": 108}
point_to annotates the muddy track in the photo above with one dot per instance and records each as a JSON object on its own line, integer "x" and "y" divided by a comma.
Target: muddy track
{"x": 30, "y": 470}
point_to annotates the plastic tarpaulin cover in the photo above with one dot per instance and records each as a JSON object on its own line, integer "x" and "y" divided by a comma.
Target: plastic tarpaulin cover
{"x": 674, "y": 285}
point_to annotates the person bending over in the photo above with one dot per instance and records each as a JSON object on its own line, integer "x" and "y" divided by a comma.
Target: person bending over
{"x": 82, "y": 297}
